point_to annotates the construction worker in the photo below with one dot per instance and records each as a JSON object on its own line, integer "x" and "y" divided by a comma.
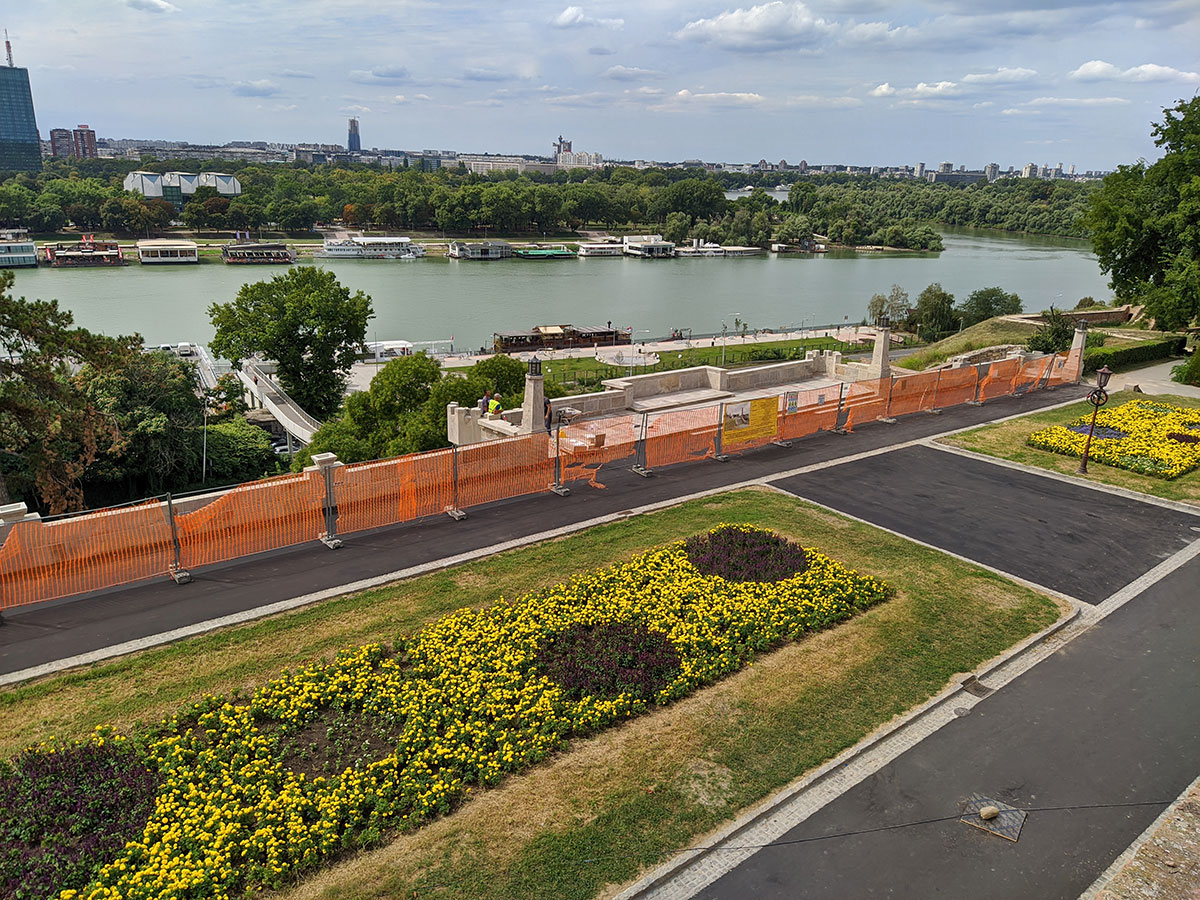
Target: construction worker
{"x": 494, "y": 406}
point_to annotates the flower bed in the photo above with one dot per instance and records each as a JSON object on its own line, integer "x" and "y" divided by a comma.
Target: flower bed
{"x": 465, "y": 700}
{"x": 1142, "y": 436}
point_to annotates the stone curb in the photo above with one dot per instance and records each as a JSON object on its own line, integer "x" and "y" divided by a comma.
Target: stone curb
{"x": 670, "y": 870}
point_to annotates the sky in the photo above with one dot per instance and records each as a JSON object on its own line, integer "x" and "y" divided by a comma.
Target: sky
{"x": 828, "y": 81}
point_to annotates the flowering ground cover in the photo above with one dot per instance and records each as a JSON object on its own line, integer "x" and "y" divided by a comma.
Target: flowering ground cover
{"x": 467, "y": 699}
{"x": 1143, "y": 436}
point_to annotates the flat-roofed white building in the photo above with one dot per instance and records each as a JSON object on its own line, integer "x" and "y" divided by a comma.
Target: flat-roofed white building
{"x": 167, "y": 250}
{"x": 177, "y": 187}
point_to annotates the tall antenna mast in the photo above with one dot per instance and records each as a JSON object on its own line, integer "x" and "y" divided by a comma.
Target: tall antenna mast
{"x": 8, "y": 49}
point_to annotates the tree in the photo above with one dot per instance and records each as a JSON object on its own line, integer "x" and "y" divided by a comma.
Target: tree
{"x": 899, "y": 307}
{"x": 1055, "y": 335}
{"x": 49, "y": 430}
{"x": 876, "y": 307}
{"x": 402, "y": 386}
{"x": 987, "y": 303}
{"x": 1145, "y": 223}
{"x": 501, "y": 373}
{"x": 307, "y": 322}
{"x": 239, "y": 451}
{"x": 935, "y": 310}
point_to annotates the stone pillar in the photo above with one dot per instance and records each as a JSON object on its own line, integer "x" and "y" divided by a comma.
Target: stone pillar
{"x": 533, "y": 417}
{"x": 1074, "y": 366}
{"x": 880, "y": 365}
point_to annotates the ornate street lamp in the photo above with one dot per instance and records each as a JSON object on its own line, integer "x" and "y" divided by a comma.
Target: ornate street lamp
{"x": 1097, "y": 398}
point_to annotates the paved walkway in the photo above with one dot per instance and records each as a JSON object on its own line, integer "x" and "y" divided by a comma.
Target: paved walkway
{"x": 1155, "y": 379}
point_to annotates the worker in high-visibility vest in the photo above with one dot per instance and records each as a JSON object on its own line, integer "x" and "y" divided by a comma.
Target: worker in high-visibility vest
{"x": 494, "y": 406}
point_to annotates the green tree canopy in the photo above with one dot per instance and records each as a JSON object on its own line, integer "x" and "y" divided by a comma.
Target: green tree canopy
{"x": 986, "y": 303}
{"x": 1145, "y": 222}
{"x": 935, "y": 310}
{"x": 307, "y": 322}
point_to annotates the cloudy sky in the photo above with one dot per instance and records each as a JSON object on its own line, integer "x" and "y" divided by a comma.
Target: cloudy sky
{"x": 848, "y": 81}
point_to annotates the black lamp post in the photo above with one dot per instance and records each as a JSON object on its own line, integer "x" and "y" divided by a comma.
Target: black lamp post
{"x": 1097, "y": 398}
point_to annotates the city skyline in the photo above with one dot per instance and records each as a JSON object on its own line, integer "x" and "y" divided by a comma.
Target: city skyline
{"x": 853, "y": 81}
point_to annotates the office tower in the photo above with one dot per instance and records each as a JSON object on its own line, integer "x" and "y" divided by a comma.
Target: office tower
{"x": 20, "y": 144}
{"x": 353, "y": 142}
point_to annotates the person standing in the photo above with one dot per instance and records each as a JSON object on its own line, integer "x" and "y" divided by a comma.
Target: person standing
{"x": 483, "y": 401}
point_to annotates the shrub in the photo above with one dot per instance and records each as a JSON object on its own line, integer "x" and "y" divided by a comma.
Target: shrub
{"x": 1055, "y": 335}
{"x": 609, "y": 659}
{"x": 1189, "y": 372}
{"x": 744, "y": 553}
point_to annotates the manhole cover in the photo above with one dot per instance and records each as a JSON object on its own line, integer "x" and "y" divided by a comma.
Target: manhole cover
{"x": 1006, "y": 825}
{"x": 961, "y": 711}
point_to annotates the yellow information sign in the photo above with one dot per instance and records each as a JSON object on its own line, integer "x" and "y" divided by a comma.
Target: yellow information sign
{"x": 751, "y": 421}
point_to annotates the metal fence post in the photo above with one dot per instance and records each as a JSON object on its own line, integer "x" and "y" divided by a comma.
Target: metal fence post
{"x": 933, "y": 407}
{"x": 838, "y": 422}
{"x": 639, "y": 448}
{"x": 978, "y": 382}
{"x": 329, "y": 538}
{"x": 887, "y": 412}
{"x": 454, "y": 511}
{"x": 179, "y": 574}
{"x": 718, "y": 441}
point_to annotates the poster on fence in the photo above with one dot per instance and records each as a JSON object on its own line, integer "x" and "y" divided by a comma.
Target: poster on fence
{"x": 750, "y": 421}
{"x": 792, "y": 401}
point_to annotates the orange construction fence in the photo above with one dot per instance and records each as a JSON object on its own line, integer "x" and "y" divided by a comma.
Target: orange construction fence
{"x": 587, "y": 446}
{"x": 253, "y": 518}
{"x": 749, "y": 424}
{"x": 496, "y": 470}
{"x": 956, "y": 386}
{"x": 815, "y": 410}
{"x": 865, "y": 401}
{"x": 44, "y": 560}
{"x": 390, "y": 491}
{"x": 912, "y": 393}
{"x": 685, "y": 435}
{"x": 998, "y": 379}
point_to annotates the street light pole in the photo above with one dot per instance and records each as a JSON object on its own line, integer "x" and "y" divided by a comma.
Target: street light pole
{"x": 1097, "y": 398}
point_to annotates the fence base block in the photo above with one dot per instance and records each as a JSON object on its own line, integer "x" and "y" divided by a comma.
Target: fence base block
{"x": 888, "y": 420}
{"x": 331, "y": 542}
{"x": 974, "y": 403}
{"x": 561, "y": 489}
{"x": 721, "y": 457}
{"x": 641, "y": 470}
{"x": 456, "y": 514}
{"x": 1, "y": 620}
{"x": 784, "y": 444}
{"x": 934, "y": 411}
{"x": 181, "y": 576}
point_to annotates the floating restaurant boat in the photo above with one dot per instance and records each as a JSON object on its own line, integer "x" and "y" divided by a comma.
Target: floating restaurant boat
{"x": 359, "y": 247}
{"x": 256, "y": 253}
{"x": 558, "y": 337}
{"x": 88, "y": 252}
{"x": 648, "y": 246}
{"x": 16, "y": 249}
{"x": 700, "y": 248}
{"x": 597, "y": 249}
{"x": 539, "y": 251}
{"x": 169, "y": 251}
{"x": 480, "y": 250}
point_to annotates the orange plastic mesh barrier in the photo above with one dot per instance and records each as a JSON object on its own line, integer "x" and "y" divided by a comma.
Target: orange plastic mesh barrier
{"x": 1069, "y": 367}
{"x": 865, "y": 401}
{"x": 1033, "y": 375}
{"x": 816, "y": 410}
{"x": 374, "y": 494}
{"x": 912, "y": 393}
{"x": 253, "y": 518}
{"x": 495, "y": 470}
{"x": 956, "y": 386}
{"x": 750, "y": 424}
{"x": 43, "y": 560}
{"x": 589, "y": 445}
{"x": 998, "y": 382}
{"x": 685, "y": 435}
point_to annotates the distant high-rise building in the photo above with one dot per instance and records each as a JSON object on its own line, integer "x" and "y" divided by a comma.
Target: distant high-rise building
{"x": 992, "y": 171}
{"x": 62, "y": 143}
{"x": 561, "y": 146}
{"x": 353, "y": 142}
{"x": 946, "y": 167}
{"x": 920, "y": 173}
{"x": 20, "y": 143}
{"x": 84, "y": 141}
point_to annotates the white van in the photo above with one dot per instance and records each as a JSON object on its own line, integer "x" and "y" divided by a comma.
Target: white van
{"x": 185, "y": 349}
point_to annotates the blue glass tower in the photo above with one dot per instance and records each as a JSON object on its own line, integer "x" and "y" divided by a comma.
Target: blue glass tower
{"x": 353, "y": 144}
{"x": 20, "y": 146}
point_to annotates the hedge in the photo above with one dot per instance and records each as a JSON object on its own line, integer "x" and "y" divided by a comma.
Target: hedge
{"x": 1148, "y": 351}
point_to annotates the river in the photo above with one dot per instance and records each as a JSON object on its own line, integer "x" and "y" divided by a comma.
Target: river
{"x": 440, "y": 299}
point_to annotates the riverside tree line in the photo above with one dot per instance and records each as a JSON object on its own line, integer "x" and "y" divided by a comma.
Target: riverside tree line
{"x": 682, "y": 204}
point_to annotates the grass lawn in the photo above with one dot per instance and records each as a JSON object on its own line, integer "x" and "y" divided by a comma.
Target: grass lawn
{"x": 597, "y": 814}
{"x": 985, "y": 334}
{"x": 1007, "y": 441}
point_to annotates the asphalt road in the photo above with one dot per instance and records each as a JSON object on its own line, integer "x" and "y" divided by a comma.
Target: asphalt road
{"x": 1081, "y": 542}
{"x": 1110, "y": 719}
{"x": 46, "y": 632}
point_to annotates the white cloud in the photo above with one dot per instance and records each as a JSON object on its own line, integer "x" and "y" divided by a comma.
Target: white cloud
{"x": 575, "y": 17}
{"x": 1002, "y": 75}
{"x": 630, "y": 73}
{"x": 589, "y": 99}
{"x": 815, "y": 101}
{"x": 480, "y": 74}
{"x": 294, "y": 73}
{"x": 1013, "y": 111}
{"x": 601, "y": 51}
{"x": 152, "y": 6}
{"x": 717, "y": 98}
{"x": 877, "y": 33}
{"x": 771, "y": 26}
{"x": 260, "y": 88}
{"x": 487, "y": 102}
{"x": 355, "y": 109}
{"x": 986, "y": 104}
{"x": 380, "y": 75}
{"x": 883, "y": 90}
{"x": 936, "y": 89}
{"x": 1077, "y": 101}
{"x": 1099, "y": 70}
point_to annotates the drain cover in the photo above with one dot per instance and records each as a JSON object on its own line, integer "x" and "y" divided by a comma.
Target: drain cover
{"x": 976, "y": 687}
{"x": 1006, "y": 825}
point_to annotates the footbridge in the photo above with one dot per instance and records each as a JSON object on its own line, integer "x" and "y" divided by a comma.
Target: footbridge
{"x": 265, "y": 392}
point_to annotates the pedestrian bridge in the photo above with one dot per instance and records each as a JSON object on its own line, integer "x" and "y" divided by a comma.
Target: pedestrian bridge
{"x": 271, "y": 397}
